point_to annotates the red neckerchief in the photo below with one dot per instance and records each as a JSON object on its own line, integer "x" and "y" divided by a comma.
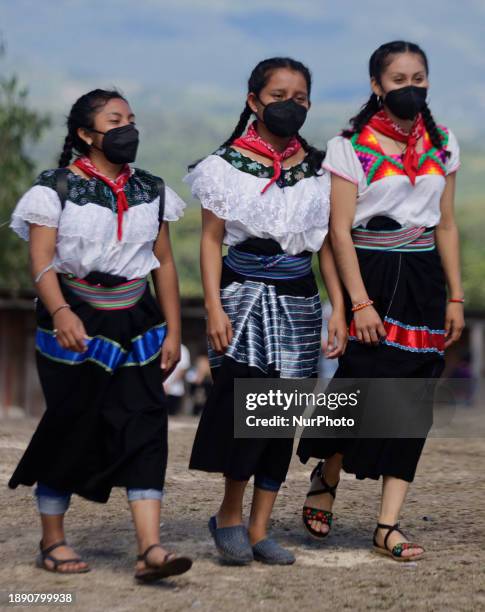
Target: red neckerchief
{"x": 384, "y": 125}
{"x": 252, "y": 141}
{"x": 117, "y": 186}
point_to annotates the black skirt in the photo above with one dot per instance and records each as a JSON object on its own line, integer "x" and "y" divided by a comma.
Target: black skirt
{"x": 106, "y": 421}
{"x": 216, "y": 450}
{"x": 273, "y": 305}
{"x": 409, "y": 293}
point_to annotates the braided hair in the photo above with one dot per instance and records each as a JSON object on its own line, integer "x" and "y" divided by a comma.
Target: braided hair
{"x": 257, "y": 81}
{"x": 82, "y": 116}
{"x": 379, "y": 61}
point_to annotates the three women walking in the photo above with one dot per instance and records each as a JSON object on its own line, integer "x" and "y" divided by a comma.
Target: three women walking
{"x": 377, "y": 209}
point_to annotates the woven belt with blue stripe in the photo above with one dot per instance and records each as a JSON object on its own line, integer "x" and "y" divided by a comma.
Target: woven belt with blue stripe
{"x": 280, "y": 266}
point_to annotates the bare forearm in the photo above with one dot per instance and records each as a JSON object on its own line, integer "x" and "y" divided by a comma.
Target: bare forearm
{"x": 328, "y": 270}
{"x": 167, "y": 291}
{"x": 41, "y": 255}
{"x": 211, "y": 270}
{"x": 448, "y": 243}
{"x": 49, "y": 291}
{"x": 348, "y": 265}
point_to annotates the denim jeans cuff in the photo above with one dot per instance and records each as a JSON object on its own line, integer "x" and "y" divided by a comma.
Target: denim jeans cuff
{"x": 138, "y": 494}
{"x": 267, "y": 484}
{"x": 52, "y": 505}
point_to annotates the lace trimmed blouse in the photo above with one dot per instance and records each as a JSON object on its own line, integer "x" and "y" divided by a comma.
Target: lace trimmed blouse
{"x": 87, "y": 227}
{"x": 294, "y": 211}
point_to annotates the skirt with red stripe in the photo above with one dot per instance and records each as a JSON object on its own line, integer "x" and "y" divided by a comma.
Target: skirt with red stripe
{"x": 409, "y": 293}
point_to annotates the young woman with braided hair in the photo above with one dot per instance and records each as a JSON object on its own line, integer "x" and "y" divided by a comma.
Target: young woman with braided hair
{"x": 396, "y": 246}
{"x": 101, "y": 340}
{"x": 266, "y": 196}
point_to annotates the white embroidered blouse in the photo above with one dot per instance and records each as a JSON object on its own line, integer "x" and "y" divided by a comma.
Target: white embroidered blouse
{"x": 87, "y": 227}
{"x": 294, "y": 211}
{"x": 383, "y": 188}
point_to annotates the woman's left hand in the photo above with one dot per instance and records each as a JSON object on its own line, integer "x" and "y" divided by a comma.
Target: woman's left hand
{"x": 170, "y": 354}
{"x": 454, "y": 323}
{"x": 337, "y": 336}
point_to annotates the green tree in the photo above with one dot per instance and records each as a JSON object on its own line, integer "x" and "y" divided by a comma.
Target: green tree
{"x": 20, "y": 127}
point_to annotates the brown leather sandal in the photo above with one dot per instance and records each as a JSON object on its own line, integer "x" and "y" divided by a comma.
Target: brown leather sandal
{"x": 46, "y": 556}
{"x": 172, "y": 565}
{"x": 310, "y": 514}
{"x": 396, "y": 552}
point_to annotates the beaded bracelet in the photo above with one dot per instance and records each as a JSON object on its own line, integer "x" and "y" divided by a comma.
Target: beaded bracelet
{"x": 60, "y": 308}
{"x": 457, "y": 300}
{"x": 360, "y": 305}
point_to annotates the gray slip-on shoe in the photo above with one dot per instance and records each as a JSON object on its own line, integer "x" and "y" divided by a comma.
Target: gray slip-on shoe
{"x": 232, "y": 543}
{"x": 270, "y": 552}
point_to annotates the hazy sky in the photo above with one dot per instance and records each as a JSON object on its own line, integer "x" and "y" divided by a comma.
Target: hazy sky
{"x": 156, "y": 49}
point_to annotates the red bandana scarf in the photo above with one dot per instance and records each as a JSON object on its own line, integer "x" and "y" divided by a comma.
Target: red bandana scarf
{"x": 117, "y": 186}
{"x": 384, "y": 125}
{"x": 252, "y": 141}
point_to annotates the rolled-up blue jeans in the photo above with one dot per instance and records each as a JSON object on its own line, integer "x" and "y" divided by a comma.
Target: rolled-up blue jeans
{"x": 53, "y": 501}
{"x": 267, "y": 484}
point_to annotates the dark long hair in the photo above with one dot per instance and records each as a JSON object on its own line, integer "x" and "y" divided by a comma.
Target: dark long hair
{"x": 82, "y": 115}
{"x": 257, "y": 81}
{"x": 379, "y": 61}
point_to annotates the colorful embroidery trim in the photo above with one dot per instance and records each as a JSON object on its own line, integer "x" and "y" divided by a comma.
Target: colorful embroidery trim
{"x": 119, "y": 297}
{"x": 106, "y": 353}
{"x": 315, "y": 514}
{"x": 142, "y": 188}
{"x": 419, "y": 339}
{"x": 288, "y": 178}
{"x": 377, "y": 165}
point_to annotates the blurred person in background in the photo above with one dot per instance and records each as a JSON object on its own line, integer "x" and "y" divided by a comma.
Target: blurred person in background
{"x": 326, "y": 366}
{"x": 199, "y": 379}
{"x": 174, "y": 385}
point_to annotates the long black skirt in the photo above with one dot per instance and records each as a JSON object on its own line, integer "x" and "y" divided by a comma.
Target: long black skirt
{"x": 216, "y": 449}
{"x": 277, "y": 331}
{"x": 409, "y": 293}
{"x": 106, "y": 421}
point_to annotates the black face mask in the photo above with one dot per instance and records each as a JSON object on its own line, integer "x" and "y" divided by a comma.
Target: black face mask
{"x": 284, "y": 118}
{"x": 406, "y": 102}
{"x": 119, "y": 144}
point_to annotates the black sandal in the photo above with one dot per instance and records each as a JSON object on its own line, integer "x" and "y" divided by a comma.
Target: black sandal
{"x": 170, "y": 566}
{"x": 46, "y": 556}
{"x": 396, "y": 551}
{"x": 316, "y": 514}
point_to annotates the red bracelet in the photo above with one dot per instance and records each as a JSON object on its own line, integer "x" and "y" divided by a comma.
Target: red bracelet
{"x": 456, "y": 300}
{"x": 360, "y": 305}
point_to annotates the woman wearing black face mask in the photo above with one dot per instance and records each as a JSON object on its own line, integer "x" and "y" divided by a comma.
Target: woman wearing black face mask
{"x": 396, "y": 246}
{"x": 265, "y": 195}
{"x": 96, "y": 231}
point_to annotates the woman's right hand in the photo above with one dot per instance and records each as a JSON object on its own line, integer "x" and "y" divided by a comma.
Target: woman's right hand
{"x": 219, "y": 329}
{"x": 368, "y": 325}
{"x": 70, "y": 333}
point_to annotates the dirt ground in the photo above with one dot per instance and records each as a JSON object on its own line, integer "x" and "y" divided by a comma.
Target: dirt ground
{"x": 445, "y": 512}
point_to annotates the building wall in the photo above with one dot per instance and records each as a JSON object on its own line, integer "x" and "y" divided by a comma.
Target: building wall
{"x": 20, "y": 390}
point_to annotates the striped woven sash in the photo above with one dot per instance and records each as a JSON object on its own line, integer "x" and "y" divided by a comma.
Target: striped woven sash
{"x": 119, "y": 297}
{"x": 405, "y": 240}
{"x": 280, "y": 266}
